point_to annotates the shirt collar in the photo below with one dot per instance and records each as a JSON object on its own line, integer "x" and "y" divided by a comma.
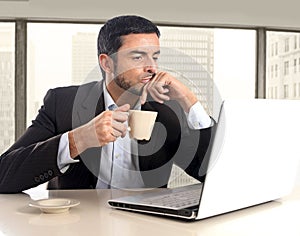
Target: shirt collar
{"x": 108, "y": 101}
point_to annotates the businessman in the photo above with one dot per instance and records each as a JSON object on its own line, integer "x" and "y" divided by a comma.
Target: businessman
{"x": 79, "y": 138}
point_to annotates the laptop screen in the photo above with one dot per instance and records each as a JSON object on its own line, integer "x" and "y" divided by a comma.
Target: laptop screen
{"x": 255, "y": 155}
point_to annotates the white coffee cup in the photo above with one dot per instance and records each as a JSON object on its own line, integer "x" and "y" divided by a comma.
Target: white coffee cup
{"x": 141, "y": 123}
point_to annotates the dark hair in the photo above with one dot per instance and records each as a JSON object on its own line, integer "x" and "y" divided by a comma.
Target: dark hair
{"x": 109, "y": 38}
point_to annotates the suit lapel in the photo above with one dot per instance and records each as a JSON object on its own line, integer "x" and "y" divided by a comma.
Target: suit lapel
{"x": 89, "y": 102}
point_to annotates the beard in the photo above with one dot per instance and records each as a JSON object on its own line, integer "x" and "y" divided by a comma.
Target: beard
{"x": 127, "y": 86}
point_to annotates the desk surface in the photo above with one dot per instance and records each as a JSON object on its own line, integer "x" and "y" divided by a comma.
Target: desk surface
{"x": 94, "y": 217}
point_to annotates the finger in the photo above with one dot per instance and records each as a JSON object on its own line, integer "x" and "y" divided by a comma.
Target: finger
{"x": 144, "y": 95}
{"x": 113, "y": 138}
{"x": 161, "y": 77}
{"x": 164, "y": 78}
{"x": 160, "y": 87}
{"x": 119, "y": 129}
{"x": 159, "y": 97}
{"x": 124, "y": 107}
{"x": 116, "y": 134}
{"x": 120, "y": 116}
{"x": 164, "y": 89}
{"x": 157, "y": 82}
{"x": 121, "y": 113}
{"x": 158, "y": 92}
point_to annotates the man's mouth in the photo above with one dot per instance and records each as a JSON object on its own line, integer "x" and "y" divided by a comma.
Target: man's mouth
{"x": 146, "y": 79}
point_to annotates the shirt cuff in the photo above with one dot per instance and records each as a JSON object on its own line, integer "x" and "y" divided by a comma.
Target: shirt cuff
{"x": 198, "y": 118}
{"x": 63, "y": 156}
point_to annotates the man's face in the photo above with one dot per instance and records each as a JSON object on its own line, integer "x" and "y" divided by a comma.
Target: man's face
{"x": 136, "y": 61}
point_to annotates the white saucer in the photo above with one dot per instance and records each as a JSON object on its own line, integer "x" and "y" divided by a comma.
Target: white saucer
{"x": 54, "y": 205}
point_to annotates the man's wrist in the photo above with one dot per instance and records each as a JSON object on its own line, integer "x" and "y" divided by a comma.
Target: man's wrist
{"x": 74, "y": 144}
{"x": 63, "y": 156}
{"x": 188, "y": 101}
{"x": 198, "y": 118}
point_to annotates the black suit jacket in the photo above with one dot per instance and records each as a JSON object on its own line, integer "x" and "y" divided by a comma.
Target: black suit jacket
{"x": 32, "y": 160}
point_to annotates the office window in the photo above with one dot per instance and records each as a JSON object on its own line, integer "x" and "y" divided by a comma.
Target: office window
{"x": 64, "y": 54}
{"x": 286, "y": 68}
{"x": 275, "y": 96}
{"x": 227, "y": 67}
{"x": 7, "y": 62}
{"x": 271, "y": 92}
{"x": 286, "y": 44}
{"x": 288, "y": 63}
{"x": 272, "y": 70}
{"x": 272, "y": 49}
{"x": 285, "y": 91}
{"x": 59, "y": 55}
{"x": 216, "y": 63}
{"x": 222, "y": 55}
{"x": 234, "y": 63}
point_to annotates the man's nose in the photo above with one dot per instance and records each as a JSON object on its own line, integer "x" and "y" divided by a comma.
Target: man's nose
{"x": 151, "y": 69}
{"x": 151, "y": 66}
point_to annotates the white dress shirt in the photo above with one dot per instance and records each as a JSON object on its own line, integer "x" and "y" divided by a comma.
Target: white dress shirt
{"x": 118, "y": 167}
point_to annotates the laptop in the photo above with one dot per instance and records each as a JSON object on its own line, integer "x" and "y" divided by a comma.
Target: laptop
{"x": 254, "y": 158}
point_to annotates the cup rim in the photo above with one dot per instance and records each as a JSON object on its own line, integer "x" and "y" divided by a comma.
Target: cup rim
{"x": 144, "y": 111}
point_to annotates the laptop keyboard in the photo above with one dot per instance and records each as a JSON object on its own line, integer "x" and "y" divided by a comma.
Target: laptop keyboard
{"x": 175, "y": 200}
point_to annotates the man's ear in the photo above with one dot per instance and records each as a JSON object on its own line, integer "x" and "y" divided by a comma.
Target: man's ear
{"x": 106, "y": 63}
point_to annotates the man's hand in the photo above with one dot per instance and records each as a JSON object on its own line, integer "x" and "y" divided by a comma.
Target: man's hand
{"x": 164, "y": 87}
{"x": 103, "y": 129}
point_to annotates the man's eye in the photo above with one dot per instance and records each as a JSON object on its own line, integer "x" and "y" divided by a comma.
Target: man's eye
{"x": 137, "y": 58}
{"x": 155, "y": 58}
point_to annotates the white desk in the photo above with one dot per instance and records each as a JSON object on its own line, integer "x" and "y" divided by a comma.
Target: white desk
{"x": 94, "y": 217}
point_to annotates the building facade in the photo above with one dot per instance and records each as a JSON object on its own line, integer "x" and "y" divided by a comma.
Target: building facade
{"x": 7, "y": 102}
{"x": 85, "y": 66}
{"x": 283, "y": 66}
